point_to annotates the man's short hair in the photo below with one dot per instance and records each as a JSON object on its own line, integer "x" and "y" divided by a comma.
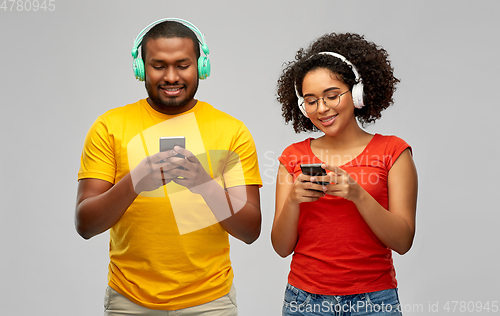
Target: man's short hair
{"x": 169, "y": 29}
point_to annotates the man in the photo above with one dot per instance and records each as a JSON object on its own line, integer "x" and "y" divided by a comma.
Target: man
{"x": 169, "y": 212}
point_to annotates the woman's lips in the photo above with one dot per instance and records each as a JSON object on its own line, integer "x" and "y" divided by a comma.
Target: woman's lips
{"x": 328, "y": 120}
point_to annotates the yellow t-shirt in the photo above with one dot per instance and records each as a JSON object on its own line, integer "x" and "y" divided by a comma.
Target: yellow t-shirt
{"x": 168, "y": 251}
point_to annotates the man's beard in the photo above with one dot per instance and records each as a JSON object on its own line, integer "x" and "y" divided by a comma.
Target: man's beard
{"x": 170, "y": 103}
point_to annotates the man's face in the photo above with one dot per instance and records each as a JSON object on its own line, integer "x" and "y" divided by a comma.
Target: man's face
{"x": 171, "y": 74}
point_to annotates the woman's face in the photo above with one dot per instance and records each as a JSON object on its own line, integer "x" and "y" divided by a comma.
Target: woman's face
{"x": 330, "y": 120}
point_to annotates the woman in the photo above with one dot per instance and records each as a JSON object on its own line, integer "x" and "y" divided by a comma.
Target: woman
{"x": 342, "y": 234}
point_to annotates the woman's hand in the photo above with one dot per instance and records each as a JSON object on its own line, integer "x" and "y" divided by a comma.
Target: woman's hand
{"x": 341, "y": 184}
{"x": 305, "y": 189}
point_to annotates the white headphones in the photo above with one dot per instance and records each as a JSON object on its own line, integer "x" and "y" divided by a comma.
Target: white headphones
{"x": 357, "y": 89}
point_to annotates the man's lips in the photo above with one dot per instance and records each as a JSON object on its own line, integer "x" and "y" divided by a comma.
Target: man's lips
{"x": 328, "y": 120}
{"x": 172, "y": 91}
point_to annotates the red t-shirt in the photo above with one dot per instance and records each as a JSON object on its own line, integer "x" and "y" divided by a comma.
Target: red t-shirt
{"x": 336, "y": 252}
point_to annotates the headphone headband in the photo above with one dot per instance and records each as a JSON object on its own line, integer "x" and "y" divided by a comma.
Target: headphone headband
{"x": 203, "y": 61}
{"x": 354, "y": 70}
{"x": 357, "y": 88}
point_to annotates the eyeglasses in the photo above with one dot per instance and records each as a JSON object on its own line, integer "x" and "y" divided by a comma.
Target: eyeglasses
{"x": 331, "y": 100}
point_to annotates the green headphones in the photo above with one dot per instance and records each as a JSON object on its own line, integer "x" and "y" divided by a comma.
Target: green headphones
{"x": 203, "y": 61}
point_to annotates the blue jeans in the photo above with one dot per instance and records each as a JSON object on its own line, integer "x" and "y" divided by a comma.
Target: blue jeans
{"x": 381, "y": 303}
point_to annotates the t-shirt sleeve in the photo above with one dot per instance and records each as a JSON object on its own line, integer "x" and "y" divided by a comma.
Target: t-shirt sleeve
{"x": 98, "y": 159}
{"x": 395, "y": 147}
{"x": 288, "y": 158}
{"x": 242, "y": 167}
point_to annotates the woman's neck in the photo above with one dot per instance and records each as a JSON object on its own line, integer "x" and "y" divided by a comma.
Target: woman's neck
{"x": 352, "y": 136}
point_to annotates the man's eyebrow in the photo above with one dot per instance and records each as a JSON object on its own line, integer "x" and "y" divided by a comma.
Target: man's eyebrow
{"x": 324, "y": 91}
{"x": 177, "y": 61}
{"x": 183, "y": 60}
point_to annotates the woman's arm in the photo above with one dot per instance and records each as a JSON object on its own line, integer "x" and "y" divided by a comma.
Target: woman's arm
{"x": 394, "y": 227}
{"x": 289, "y": 195}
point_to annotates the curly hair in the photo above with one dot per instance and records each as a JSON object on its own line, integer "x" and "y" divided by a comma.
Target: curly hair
{"x": 370, "y": 60}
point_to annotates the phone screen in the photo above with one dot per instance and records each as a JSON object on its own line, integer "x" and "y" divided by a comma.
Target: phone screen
{"x": 168, "y": 143}
{"x": 314, "y": 169}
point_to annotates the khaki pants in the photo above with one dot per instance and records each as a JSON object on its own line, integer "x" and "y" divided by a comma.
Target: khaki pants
{"x": 116, "y": 304}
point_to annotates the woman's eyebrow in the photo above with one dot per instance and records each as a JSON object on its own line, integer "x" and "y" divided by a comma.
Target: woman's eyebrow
{"x": 324, "y": 91}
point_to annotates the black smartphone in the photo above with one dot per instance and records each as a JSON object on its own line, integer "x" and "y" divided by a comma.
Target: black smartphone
{"x": 314, "y": 169}
{"x": 168, "y": 143}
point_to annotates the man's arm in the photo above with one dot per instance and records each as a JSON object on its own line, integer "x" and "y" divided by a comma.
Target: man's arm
{"x": 237, "y": 209}
{"x": 100, "y": 204}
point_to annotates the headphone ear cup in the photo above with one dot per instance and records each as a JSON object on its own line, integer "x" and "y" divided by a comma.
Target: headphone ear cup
{"x": 300, "y": 101}
{"x": 357, "y": 95}
{"x": 203, "y": 67}
{"x": 139, "y": 72}
{"x": 303, "y": 111}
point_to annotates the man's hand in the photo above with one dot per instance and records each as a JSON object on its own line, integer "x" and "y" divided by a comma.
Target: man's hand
{"x": 153, "y": 172}
{"x": 192, "y": 175}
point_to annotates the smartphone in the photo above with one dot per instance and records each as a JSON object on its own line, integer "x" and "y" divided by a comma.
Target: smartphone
{"x": 168, "y": 143}
{"x": 314, "y": 169}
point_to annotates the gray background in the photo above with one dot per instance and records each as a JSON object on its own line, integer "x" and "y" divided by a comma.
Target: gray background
{"x": 62, "y": 69}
